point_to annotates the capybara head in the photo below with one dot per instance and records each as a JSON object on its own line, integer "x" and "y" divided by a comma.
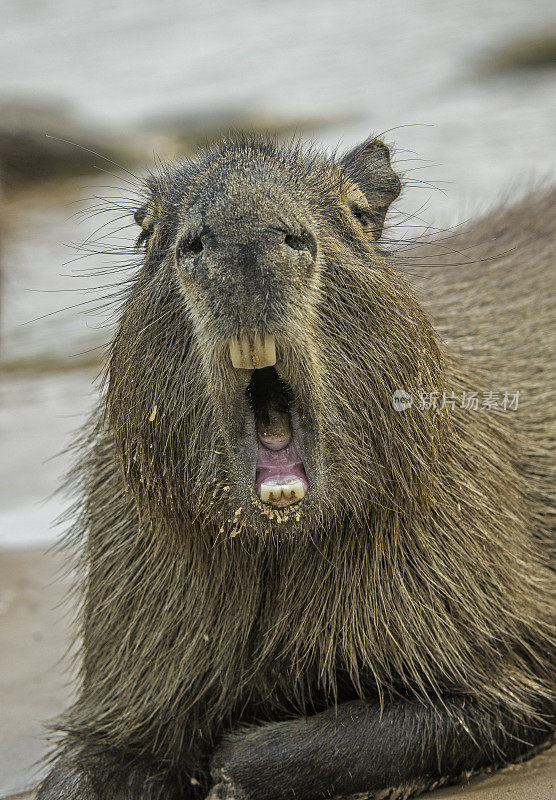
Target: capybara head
{"x": 259, "y": 348}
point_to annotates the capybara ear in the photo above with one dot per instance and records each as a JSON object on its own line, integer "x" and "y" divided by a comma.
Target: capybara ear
{"x": 145, "y": 215}
{"x": 368, "y": 166}
{"x": 141, "y": 214}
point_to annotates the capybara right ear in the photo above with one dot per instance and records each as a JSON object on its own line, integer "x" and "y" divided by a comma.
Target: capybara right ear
{"x": 368, "y": 166}
{"x": 145, "y": 215}
{"x": 140, "y": 215}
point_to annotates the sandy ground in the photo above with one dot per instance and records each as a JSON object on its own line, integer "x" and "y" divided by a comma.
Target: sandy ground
{"x": 34, "y": 626}
{"x": 33, "y": 684}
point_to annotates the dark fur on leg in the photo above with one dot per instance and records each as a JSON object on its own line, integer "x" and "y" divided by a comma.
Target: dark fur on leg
{"x": 88, "y": 772}
{"x": 359, "y": 750}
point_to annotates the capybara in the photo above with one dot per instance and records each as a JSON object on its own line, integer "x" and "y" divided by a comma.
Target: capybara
{"x": 314, "y": 522}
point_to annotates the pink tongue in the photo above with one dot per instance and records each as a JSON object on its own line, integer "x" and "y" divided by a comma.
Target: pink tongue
{"x": 278, "y": 459}
{"x": 279, "y": 466}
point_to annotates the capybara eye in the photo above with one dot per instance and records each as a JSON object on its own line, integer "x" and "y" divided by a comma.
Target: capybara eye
{"x": 360, "y": 214}
{"x": 188, "y": 247}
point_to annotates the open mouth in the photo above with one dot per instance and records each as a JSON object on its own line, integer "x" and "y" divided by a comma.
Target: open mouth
{"x": 280, "y": 476}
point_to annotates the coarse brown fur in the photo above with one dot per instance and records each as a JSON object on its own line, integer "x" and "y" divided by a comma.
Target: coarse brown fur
{"x": 416, "y": 566}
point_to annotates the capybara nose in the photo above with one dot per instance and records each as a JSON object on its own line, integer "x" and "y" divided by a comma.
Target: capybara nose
{"x": 245, "y": 281}
{"x": 236, "y": 254}
{"x": 281, "y": 239}
{"x": 268, "y": 249}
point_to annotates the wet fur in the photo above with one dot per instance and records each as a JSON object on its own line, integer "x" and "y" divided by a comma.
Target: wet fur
{"x": 420, "y": 569}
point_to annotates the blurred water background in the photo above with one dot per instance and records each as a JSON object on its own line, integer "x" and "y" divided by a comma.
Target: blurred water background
{"x": 454, "y": 84}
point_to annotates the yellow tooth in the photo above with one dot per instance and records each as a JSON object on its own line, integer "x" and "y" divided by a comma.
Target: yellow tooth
{"x": 273, "y": 492}
{"x": 253, "y": 351}
{"x": 296, "y": 489}
{"x": 240, "y": 354}
{"x": 268, "y": 490}
{"x": 264, "y": 350}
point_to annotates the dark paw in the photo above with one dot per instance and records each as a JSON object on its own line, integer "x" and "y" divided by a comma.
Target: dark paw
{"x": 66, "y": 784}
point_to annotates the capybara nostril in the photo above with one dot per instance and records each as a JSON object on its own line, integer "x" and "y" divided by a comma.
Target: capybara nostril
{"x": 188, "y": 247}
{"x": 302, "y": 241}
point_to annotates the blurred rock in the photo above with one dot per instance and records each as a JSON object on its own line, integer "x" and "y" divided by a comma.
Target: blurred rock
{"x": 532, "y": 51}
{"x": 43, "y": 364}
{"x": 34, "y": 679}
{"x": 39, "y": 142}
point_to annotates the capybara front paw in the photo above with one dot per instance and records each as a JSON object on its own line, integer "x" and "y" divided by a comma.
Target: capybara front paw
{"x": 224, "y": 790}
